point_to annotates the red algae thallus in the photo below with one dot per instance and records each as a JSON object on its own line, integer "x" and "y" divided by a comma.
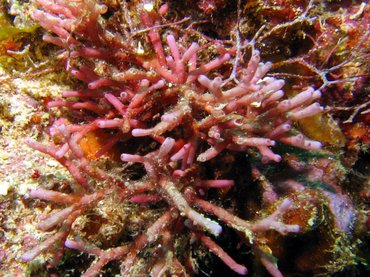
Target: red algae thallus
{"x": 187, "y": 143}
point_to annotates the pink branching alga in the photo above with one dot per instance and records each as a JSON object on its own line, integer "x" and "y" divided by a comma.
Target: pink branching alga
{"x": 162, "y": 86}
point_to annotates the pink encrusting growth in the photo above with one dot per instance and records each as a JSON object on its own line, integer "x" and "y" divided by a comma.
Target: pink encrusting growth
{"x": 183, "y": 103}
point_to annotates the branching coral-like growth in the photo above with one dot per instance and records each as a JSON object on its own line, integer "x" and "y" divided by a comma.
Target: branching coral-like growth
{"x": 184, "y": 103}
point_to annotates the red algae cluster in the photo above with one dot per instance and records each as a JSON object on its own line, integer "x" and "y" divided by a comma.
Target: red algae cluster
{"x": 199, "y": 142}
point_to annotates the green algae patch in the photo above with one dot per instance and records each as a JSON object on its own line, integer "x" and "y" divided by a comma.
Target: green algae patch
{"x": 9, "y": 31}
